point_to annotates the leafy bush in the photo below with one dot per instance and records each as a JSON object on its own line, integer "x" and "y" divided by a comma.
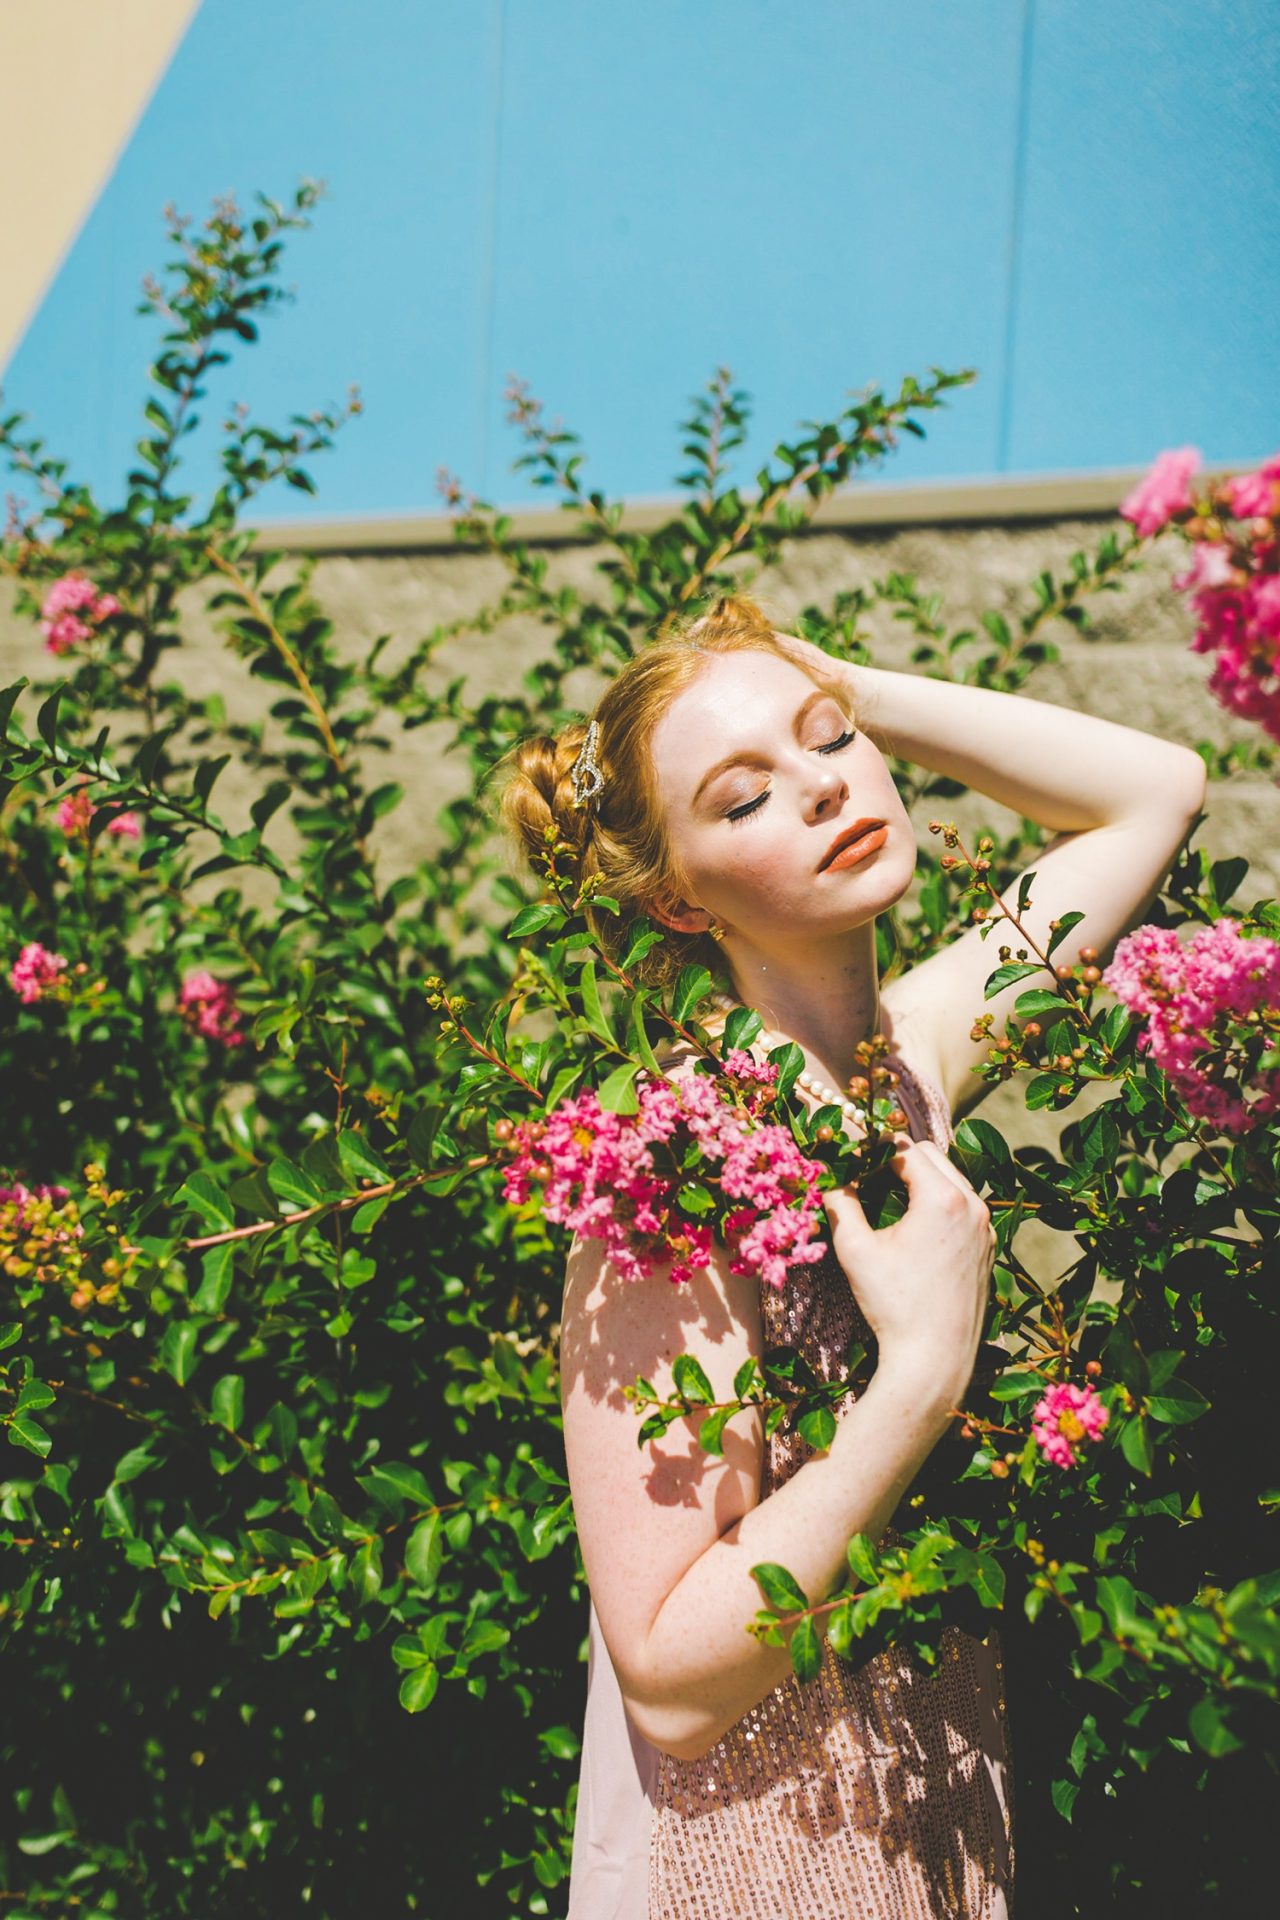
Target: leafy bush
{"x": 291, "y": 1605}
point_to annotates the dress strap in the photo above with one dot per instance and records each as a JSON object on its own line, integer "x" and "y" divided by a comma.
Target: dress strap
{"x": 930, "y": 1101}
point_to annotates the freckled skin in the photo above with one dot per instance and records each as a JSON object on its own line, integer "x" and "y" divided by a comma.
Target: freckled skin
{"x": 758, "y": 875}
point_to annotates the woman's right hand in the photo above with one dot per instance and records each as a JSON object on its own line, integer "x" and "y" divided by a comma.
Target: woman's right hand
{"x": 921, "y": 1283}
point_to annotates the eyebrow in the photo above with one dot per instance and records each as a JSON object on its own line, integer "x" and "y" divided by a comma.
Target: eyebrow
{"x": 748, "y": 759}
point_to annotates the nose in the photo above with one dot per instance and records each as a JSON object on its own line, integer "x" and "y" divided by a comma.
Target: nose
{"x": 826, "y": 790}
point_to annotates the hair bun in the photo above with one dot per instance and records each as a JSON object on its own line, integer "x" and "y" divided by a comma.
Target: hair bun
{"x": 537, "y": 798}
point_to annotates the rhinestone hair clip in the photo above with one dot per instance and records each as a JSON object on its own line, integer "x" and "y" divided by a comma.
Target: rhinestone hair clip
{"x": 585, "y": 773}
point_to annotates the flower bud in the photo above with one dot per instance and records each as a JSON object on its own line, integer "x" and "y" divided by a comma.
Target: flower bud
{"x": 1093, "y": 1368}
{"x": 1032, "y": 1030}
{"x": 826, "y": 1133}
{"x": 1064, "y": 973}
{"x": 1088, "y": 955}
{"x": 1000, "y": 1469}
{"x": 1091, "y": 976}
{"x": 897, "y": 1118}
{"x": 502, "y": 1130}
{"x": 1064, "y": 1088}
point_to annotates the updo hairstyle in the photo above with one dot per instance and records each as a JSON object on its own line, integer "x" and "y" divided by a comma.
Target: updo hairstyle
{"x": 621, "y": 834}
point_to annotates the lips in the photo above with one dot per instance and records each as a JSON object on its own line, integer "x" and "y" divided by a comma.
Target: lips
{"x": 851, "y": 835}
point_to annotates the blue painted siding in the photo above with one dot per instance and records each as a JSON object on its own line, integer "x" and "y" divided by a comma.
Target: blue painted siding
{"x": 1072, "y": 197}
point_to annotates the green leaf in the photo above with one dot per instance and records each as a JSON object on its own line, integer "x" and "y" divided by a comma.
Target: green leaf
{"x": 862, "y": 1560}
{"x": 591, "y": 1007}
{"x": 360, "y": 1161}
{"x": 818, "y": 1427}
{"x": 640, "y": 1042}
{"x": 485, "y": 1636}
{"x": 806, "y": 1650}
{"x": 29, "y": 1434}
{"x": 133, "y": 1463}
{"x": 779, "y": 1588}
{"x": 424, "y": 1553}
{"x": 1006, "y": 975}
{"x": 217, "y": 1265}
{"x": 227, "y": 1401}
{"x": 1135, "y": 1444}
{"x": 534, "y": 918}
{"x": 1010, "y": 1386}
{"x": 979, "y": 1140}
{"x": 178, "y": 1350}
{"x": 693, "y": 985}
{"x": 689, "y": 1380}
{"x": 207, "y": 1200}
{"x": 1178, "y": 1404}
{"x": 206, "y": 773}
{"x": 1210, "y": 1731}
{"x": 292, "y": 1184}
{"x": 1063, "y": 1794}
{"x": 618, "y": 1094}
{"x": 418, "y": 1688}
{"x": 47, "y": 717}
{"x": 711, "y": 1432}
{"x": 1065, "y": 924}
{"x": 1029, "y": 1006}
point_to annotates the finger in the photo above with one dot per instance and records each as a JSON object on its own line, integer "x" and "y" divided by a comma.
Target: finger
{"x": 938, "y": 1159}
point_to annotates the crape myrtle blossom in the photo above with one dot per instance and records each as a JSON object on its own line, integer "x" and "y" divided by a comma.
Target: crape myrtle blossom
{"x": 1164, "y": 491}
{"x": 76, "y": 811}
{"x": 1197, "y": 1000}
{"x": 36, "y": 973}
{"x": 617, "y": 1177}
{"x": 208, "y": 1005}
{"x": 1064, "y": 1419}
{"x": 72, "y": 610}
{"x": 1233, "y": 579}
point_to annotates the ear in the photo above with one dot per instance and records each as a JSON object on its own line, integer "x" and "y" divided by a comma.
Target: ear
{"x": 680, "y": 915}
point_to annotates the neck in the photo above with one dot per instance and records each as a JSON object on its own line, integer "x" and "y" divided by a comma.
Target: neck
{"x": 826, "y": 998}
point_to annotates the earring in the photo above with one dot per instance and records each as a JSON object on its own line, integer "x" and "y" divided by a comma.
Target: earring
{"x": 716, "y": 931}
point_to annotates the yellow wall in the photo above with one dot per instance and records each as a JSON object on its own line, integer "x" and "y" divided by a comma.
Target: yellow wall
{"x": 75, "y": 76}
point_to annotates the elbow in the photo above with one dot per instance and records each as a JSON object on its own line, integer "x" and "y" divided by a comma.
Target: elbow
{"x": 1193, "y": 782}
{"x": 679, "y": 1732}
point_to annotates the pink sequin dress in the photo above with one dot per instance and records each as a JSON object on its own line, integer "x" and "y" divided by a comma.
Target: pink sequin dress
{"x": 874, "y": 1792}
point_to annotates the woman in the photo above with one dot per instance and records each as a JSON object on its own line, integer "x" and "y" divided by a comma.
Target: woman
{"x": 734, "y": 789}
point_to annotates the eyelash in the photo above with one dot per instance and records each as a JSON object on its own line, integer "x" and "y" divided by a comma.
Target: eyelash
{"x": 737, "y": 814}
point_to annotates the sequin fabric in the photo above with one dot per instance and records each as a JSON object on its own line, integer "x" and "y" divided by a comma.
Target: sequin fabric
{"x": 875, "y": 1791}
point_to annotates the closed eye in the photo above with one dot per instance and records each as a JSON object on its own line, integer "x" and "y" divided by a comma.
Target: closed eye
{"x": 744, "y": 812}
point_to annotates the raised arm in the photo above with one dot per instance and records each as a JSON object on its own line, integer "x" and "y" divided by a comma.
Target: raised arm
{"x": 1119, "y": 801}
{"x": 669, "y": 1534}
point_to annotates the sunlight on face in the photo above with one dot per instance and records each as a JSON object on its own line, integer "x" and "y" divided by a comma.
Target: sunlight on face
{"x": 760, "y": 772}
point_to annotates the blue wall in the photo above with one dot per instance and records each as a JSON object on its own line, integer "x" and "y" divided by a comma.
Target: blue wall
{"x": 1074, "y": 197}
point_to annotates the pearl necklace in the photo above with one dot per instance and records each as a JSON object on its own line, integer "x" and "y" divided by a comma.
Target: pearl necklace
{"x": 816, "y": 1089}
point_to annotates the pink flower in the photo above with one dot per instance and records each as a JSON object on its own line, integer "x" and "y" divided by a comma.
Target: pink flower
{"x": 620, "y": 1178}
{"x": 1065, "y": 1417}
{"x": 77, "y": 810}
{"x": 208, "y": 1005}
{"x": 1195, "y": 1000}
{"x": 1256, "y": 496}
{"x": 67, "y": 600}
{"x": 1210, "y": 567}
{"x": 35, "y": 972}
{"x": 1163, "y": 492}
